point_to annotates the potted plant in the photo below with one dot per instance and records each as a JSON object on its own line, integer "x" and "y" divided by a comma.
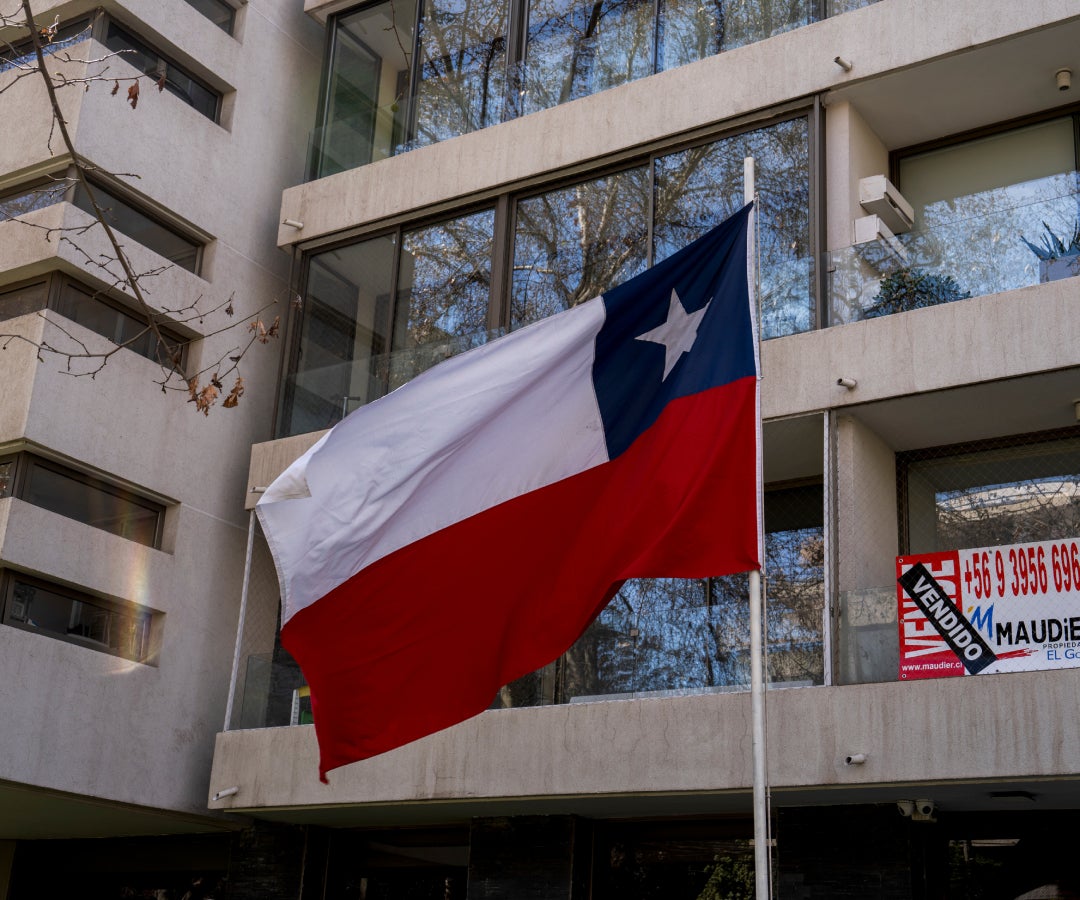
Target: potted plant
{"x": 910, "y": 288}
{"x": 1057, "y": 258}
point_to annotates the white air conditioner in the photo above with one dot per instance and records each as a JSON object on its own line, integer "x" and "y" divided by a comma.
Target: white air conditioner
{"x": 879, "y": 196}
{"x": 872, "y": 230}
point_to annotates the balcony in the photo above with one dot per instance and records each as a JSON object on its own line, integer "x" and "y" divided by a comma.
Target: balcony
{"x": 986, "y": 242}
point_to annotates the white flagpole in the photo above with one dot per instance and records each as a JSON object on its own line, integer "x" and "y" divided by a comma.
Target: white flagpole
{"x": 240, "y": 623}
{"x": 762, "y": 861}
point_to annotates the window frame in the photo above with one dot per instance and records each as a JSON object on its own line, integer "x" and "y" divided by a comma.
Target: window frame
{"x": 230, "y": 28}
{"x": 54, "y": 283}
{"x": 114, "y": 193}
{"x": 19, "y": 482}
{"x": 146, "y": 618}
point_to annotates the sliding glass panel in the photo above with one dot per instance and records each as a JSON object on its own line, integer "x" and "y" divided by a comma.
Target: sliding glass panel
{"x": 367, "y": 87}
{"x": 444, "y": 289}
{"x": 462, "y": 68}
{"x": 698, "y": 188}
{"x": 344, "y": 334}
{"x": 574, "y": 243}
{"x": 578, "y": 47}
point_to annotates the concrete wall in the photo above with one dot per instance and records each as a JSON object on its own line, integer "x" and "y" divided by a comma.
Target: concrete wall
{"x": 77, "y": 720}
{"x": 1013, "y": 726}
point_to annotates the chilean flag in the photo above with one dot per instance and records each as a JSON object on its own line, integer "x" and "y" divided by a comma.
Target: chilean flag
{"x": 464, "y": 530}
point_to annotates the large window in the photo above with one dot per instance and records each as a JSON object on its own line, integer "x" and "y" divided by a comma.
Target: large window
{"x": 992, "y": 493}
{"x": 122, "y": 629}
{"x": 94, "y": 310}
{"x": 380, "y": 310}
{"x": 400, "y": 74}
{"x": 140, "y": 226}
{"x": 81, "y": 497}
{"x": 174, "y": 78}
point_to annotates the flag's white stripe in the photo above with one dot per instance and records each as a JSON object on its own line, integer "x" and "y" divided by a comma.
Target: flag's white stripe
{"x": 510, "y": 417}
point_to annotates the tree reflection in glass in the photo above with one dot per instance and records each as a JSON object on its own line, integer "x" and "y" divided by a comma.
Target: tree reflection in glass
{"x": 572, "y": 244}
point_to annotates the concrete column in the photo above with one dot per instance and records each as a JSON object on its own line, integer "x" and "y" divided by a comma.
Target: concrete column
{"x": 867, "y": 544}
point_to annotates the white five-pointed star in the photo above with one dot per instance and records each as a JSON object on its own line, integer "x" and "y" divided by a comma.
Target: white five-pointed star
{"x": 677, "y": 334}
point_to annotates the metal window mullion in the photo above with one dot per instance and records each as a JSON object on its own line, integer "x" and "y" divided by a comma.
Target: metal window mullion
{"x": 412, "y": 111}
{"x": 817, "y": 213}
{"x": 502, "y": 261}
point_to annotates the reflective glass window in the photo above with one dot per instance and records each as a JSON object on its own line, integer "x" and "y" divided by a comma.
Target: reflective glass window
{"x": 444, "y": 289}
{"x": 366, "y": 103}
{"x": 344, "y": 335}
{"x": 989, "y": 496}
{"x": 462, "y": 76}
{"x": 217, "y": 11}
{"x": 88, "y": 500}
{"x": 576, "y": 48}
{"x": 138, "y": 226}
{"x": 178, "y": 81}
{"x": 380, "y": 311}
{"x": 700, "y": 187}
{"x": 120, "y": 629}
{"x": 87, "y": 308}
{"x": 981, "y": 205}
{"x": 32, "y": 197}
{"x": 573, "y": 243}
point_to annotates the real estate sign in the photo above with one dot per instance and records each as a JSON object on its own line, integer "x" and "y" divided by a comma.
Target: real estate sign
{"x": 993, "y": 609}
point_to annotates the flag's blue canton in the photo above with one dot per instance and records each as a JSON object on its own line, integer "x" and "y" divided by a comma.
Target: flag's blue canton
{"x": 628, "y": 373}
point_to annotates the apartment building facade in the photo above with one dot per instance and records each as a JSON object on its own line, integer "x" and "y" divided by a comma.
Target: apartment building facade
{"x": 123, "y": 536}
{"x": 475, "y": 167}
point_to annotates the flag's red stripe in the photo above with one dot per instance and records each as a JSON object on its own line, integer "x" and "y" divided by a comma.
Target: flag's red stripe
{"x": 424, "y": 638}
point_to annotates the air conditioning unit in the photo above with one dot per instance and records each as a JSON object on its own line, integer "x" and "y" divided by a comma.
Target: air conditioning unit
{"x": 873, "y": 230}
{"x": 879, "y": 196}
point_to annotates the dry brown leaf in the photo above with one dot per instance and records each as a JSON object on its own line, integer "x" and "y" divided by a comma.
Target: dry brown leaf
{"x": 235, "y": 394}
{"x": 133, "y": 94}
{"x": 115, "y": 88}
{"x": 161, "y": 83}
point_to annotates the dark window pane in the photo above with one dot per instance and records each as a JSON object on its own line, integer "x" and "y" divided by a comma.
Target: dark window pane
{"x": 367, "y": 102}
{"x": 572, "y": 244}
{"x": 217, "y": 11}
{"x": 82, "y": 306}
{"x": 128, "y": 220}
{"x": 7, "y": 477}
{"x": 698, "y": 188}
{"x": 76, "y": 498}
{"x": 22, "y": 300}
{"x": 177, "y": 81}
{"x": 462, "y": 68}
{"x": 577, "y": 48}
{"x": 22, "y": 53}
{"x": 80, "y": 620}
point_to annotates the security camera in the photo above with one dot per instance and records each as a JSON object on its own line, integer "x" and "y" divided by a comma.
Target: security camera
{"x": 924, "y": 808}
{"x": 905, "y": 807}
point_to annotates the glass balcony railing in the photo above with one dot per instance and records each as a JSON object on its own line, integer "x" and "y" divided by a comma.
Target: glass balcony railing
{"x": 646, "y": 645}
{"x": 999, "y": 240}
{"x": 321, "y": 396}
